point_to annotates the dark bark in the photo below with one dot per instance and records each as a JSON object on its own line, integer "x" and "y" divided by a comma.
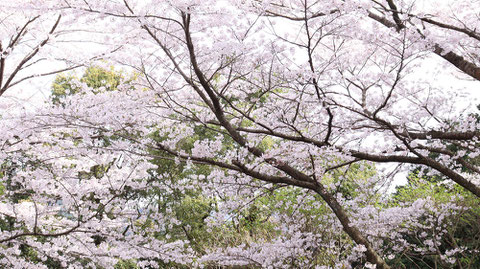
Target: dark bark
{"x": 297, "y": 178}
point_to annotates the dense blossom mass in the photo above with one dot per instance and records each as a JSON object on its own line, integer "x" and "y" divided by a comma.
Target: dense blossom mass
{"x": 240, "y": 134}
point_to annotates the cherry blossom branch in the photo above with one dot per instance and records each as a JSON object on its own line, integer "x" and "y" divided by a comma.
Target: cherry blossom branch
{"x": 456, "y": 60}
{"x": 351, "y": 230}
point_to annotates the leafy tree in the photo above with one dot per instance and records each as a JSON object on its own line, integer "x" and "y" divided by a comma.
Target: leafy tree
{"x": 95, "y": 77}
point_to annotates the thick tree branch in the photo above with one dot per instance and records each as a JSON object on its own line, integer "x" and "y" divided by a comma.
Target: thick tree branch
{"x": 351, "y": 230}
{"x": 456, "y": 60}
{"x": 395, "y": 15}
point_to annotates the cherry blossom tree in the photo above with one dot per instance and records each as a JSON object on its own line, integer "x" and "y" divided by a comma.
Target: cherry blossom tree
{"x": 293, "y": 94}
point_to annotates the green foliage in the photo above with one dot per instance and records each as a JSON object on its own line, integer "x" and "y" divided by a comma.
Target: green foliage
{"x": 348, "y": 180}
{"x": 427, "y": 187}
{"x": 461, "y": 230}
{"x": 95, "y": 77}
{"x": 97, "y": 171}
{"x": 2, "y": 187}
{"x": 126, "y": 264}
